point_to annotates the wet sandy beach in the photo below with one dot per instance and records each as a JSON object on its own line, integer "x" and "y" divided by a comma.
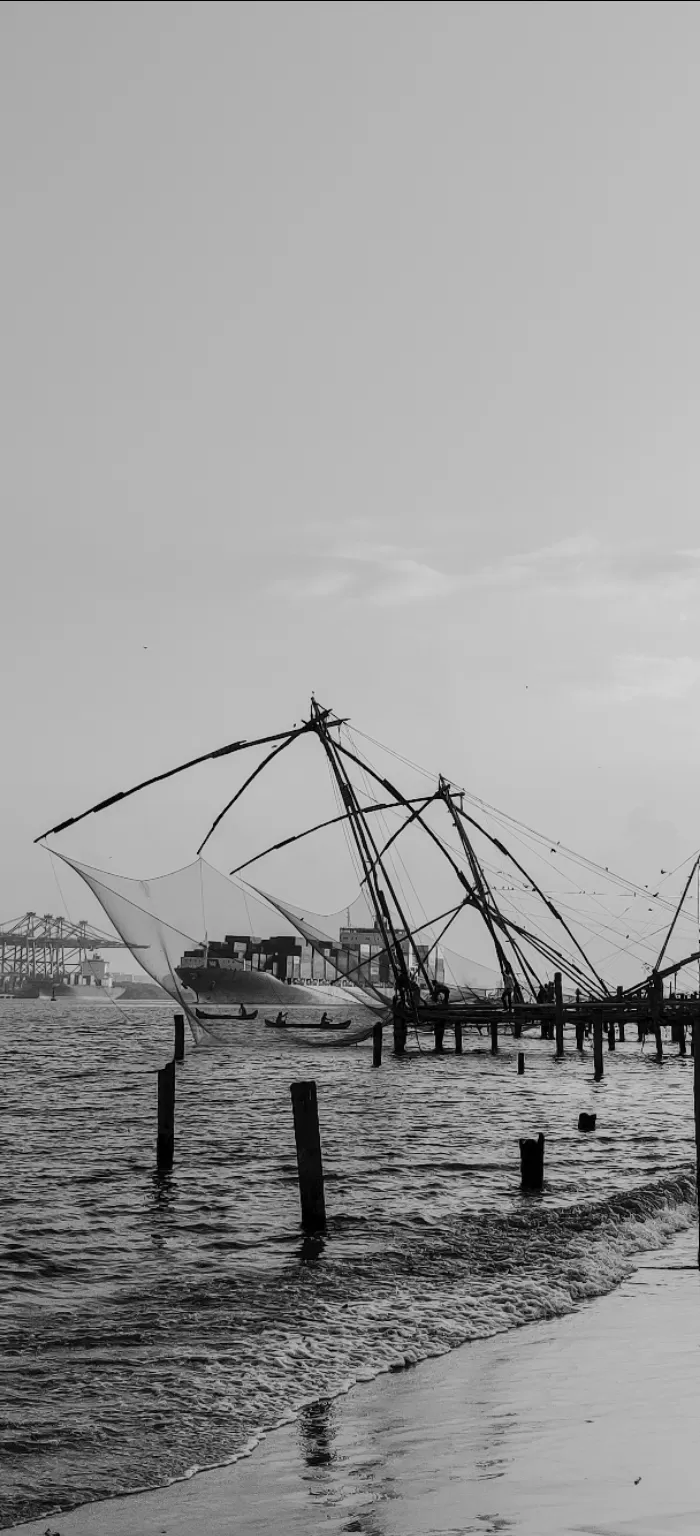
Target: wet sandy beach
{"x": 587, "y": 1423}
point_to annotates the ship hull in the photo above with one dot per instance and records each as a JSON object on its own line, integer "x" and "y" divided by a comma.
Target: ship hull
{"x": 259, "y": 989}
{"x": 59, "y": 993}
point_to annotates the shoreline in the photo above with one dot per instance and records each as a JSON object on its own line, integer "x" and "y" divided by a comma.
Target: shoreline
{"x": 546, "y": 1429}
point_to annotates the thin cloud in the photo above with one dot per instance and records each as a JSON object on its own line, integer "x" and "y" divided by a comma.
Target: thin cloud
{"x": 654, "y": 677}
{"x": 580, "y": 568}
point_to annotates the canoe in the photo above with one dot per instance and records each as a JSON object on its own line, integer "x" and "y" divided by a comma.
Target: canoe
{"x": 286, "y": 1024}
{"x": 233, "y": 1018}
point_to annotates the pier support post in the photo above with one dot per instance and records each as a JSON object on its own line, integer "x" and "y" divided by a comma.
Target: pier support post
{"x": 696, "y": 1098}
{"x": 579, "y": 1034}
{"x": 532, "y": 1163}
{"x": 458, "y": 1038}
{"x": 544, "y": 1029}
{"x": 439, "y": 1033}
{"x": 521, "y": 1063}
{"x": 165, "y": 1146}
{"x": 559, "y": 1014}
{"x": 377, "y": 1046}
{"x": 517, "y": 1028}
{"x": 308, "y": 1142}
{"x": 400, "y": 1033}
{"x": 611, "y": 1036}
{"x": 598, "y": 1047}
{"x": 179, "y": 1036}
{"x": 494, "y": 1037}
{"x": 681, "y": 1039}
{"x": 657, "y": 1001}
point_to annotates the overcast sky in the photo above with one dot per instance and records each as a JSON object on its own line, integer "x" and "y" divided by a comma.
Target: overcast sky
{"x": 355, "y": 348}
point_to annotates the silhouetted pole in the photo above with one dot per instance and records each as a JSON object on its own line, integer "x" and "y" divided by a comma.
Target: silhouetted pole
{"x": 559, "y": 1013}
{"x": 308, "y": 1141}
{"x": 377, "y": 1046}
{"x": 439, "y": 1033}
{"x": 458, "y": 1038}
{"x": 598, "y": 1047}
{"x": 179, "y": 1036}
{"x": 681, "y": 1039}
{"x": 165, "y": 1147}
{"x": 579, "y": 1034}
{"x": 611, "y": 1036}
{"x": 521, "y": 1063}
{"x": 494, "y": 1037}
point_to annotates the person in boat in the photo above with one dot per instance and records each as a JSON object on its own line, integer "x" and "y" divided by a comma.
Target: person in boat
{"x": 439, "y": 992}
{"x": 325, "y": 1021}
{"x": 242, "y": 1012}
{"x": 282, "y": 1016}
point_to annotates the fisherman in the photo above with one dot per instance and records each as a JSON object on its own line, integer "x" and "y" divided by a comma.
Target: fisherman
{"x": 282, "y": 1016}
{"x": 325, "y": 1021}
{"x": 439, "y": 992}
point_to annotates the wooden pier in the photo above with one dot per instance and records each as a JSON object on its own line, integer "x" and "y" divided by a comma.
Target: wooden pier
{"x": 621, "y": 1017}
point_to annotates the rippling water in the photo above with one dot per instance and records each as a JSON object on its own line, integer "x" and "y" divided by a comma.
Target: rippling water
{"x": 150, "y": 1324}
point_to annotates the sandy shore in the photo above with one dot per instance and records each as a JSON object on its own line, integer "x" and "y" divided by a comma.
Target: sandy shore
{"x": 585, "y": 1424}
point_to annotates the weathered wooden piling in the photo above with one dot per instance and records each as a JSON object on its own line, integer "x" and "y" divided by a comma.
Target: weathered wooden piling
{"x": 579, "y": 1034}
{"x": 458, "y": 1038}
{"x": 559, "y": 1014}
{"x": 439, "y": 1033}
{"x": 611, "y": 1036}
{"x": 598, "y": 1048}
{"x": 586, "y": 1122}
{"x": 309, "y": 1162}
{"x": 681, "y": 1039}
{"x": 521, "y": 1063}
{"x": 532, "y": 1162}
{"x": 494, "y": 1037}
{"x": 179, "y": 1036}
{"x": 377, "y": 1045}
{"x": 165, "y": 1146}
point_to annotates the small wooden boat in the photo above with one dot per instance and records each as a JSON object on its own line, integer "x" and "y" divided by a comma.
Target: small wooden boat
{"x": 287, "y": 1024}
{"x": 232, "y": 1018}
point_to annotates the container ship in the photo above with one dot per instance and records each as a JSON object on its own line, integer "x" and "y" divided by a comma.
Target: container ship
{"x": 248, "y": 970}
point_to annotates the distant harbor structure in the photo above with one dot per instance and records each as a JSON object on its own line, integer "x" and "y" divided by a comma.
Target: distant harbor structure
{"x": 44, "y": 954}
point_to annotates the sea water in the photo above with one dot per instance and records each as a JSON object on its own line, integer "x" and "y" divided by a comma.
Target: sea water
{"x": 153, "y": 1323}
